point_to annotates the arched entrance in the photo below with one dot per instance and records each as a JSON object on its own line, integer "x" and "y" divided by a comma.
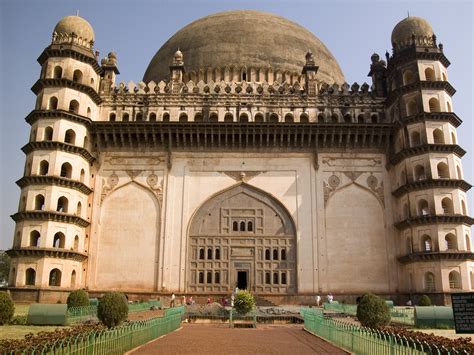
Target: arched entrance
{"x": 242, "y": 237}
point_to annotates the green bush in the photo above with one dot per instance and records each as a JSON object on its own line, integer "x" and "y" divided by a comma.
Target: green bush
{"x": 112, "y": 309}
{"x": 18, "y": 320}
{"x": 372, "y": 311}
{"x": 78, "y": 298}
{"x": 424, "y": 301}
{"x": 7, "y": 308}
{"x": 244, "y": 302}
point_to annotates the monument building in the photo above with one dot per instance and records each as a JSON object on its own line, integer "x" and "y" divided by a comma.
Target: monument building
{"x": 243, "y": 158}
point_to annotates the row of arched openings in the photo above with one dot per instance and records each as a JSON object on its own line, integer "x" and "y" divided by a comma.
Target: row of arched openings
{"x": 276, "y": 254}
{"x": 55, "y": 276}
{"x": 62, "y": 205}
{"x": 419, "y": 173}
{"x": 209, "y": 277}
{"x": 212, "y": 254}
{"x": 77, "y": 75}
{"x": 73, "y": 106}
{"x": 427, "y": 244}
{"x": 242, "y": 226}
{"x": 433, "y": 106}
{"x": 59, "y": 240}
{"x": 69, "y": 136}
{"x": 409, "y": 77}
{"x": 438, "y": 137}
{"x": 454, "y": 278}
{"x": 65, "y": 172}
{"x": 278, "y": 278}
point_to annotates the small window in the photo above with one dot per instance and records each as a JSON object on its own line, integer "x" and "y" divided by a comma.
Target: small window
{"x": 228, "y": 117}
{"x": 35, "y": 238}
{"x": 70, "y": 136}
{"x": 57, "y": 72}
{"x": 275, "y": 278}
{"x": 76, "y": 243}
{"x": 250, "y": 226}
{"x": 438, "y": 136}
{"x": 59, "y": 240}
{"x": 334, "y": 118}
{"x": 112, "y": 117}
{"x": 235, "y": 226}
{"x": 434, "y": 105}
{"x": 183, "y": 117}
{"x": 82, "y": 175}
{"x": 283, "y": 254}
{"x": 374, "y": 118}
{"x": 89, "y": 112}
{"x": 125, "y": 117}
{"x": 139, "y": 116}
{"x": 447, "y": 206}
{"x": 450, "y": 242}
{"x": 347, "y": 118}
{"x": 275, "y": 254}
{"x": 43, "y": 167}
{"x": 66, "y": 170}
{"x": 77, "y": 76}
{"x": 79, "y": 209}
{"x": 443, "y": 170}
{"x": 267, "y": 254}
{"x": 242, "y": 226}
{"x": 244, "y": 76}
{"x": 304, "y": 118}
{"x": 62, "y": 205}
{"x": 420, "y": 173}
{"x": 360, "y": 118}
{"x": 30, "y": 277}
{"x": 201, "y": 254}
{"x": 218, "y": 254}
{"x": 209, "y": 277}
{"x": 53, "y": 103}
{"x": 209, "y": 254}
{"x": 412, "y": 108}
{"x": 74, "y": 106}
{"x": 454, "y": 280}
{"x": 213, "y": 117}
{"x": 198, "y": 117}
{"x": 429, "y": 74}
{"x": 259, "y": 117}
{"x": 217, "y": 277}
{"x": 268, "y": 278}
{"x": 321, "y": 118}
{"x": 429, "y": 281}
{"x": 423, "y": 208}
{"x": 166, "y": 117}
{"x": 243, "y": 117}
{"x": 73, "y": 278}
{"x": 273, "y": 118}
{"x": 152, "y": 117}
{"x": 283, "y": 278}
{"x": 426, "y": 243}
{"x": 201, "y": 277}
{"x": 289, "y": 117}
{"x": 48, "y": 134}
{"x": 39, "y": 202}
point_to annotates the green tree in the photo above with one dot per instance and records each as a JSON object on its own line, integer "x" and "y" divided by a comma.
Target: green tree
{"x": 4, "y": 266}
{"x": 244, "y": 302}
{"x": 372, "y": 311}
{"x": 112, "y": 309}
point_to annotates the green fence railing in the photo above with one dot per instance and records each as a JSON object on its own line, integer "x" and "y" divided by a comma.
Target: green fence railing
{"x": 364, "y": 341}
{"x": 114, "y": 341}
{"x": 402, "y": 315}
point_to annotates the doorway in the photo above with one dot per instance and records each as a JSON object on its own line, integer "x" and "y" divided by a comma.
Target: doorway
{"x": 242, "y": 277}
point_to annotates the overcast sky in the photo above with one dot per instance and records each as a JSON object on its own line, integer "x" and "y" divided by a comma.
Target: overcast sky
{"x": 135, "y": 30}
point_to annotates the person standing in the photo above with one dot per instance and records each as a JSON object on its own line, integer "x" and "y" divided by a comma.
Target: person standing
{"x": 318, "y": 300}
{"x": 173, "y": 298}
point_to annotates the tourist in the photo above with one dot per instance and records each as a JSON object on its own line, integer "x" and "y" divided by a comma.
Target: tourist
{"x": 318, "y": 300}
{"x": 184, "y": 300}
{"x": 173, "y": 297}
{"x": 232, "y": 298}
{"x": 409, "y": 303}
{"x": 330, "y": 297}
{"x": 209, "y": 300}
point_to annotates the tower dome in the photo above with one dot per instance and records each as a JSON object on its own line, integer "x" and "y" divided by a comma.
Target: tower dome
{"x": 77, "y": 25}
{"x": 246, "y": 40}
{"x": 404, "y": 30}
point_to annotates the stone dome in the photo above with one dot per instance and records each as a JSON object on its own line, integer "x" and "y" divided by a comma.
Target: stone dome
{"x": 403, "y": 31}
{"x": 244, "y": 39}
{"x": 76, "y": 24}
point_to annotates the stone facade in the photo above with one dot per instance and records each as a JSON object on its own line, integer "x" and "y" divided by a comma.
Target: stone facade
{"x": 285, "y": 183}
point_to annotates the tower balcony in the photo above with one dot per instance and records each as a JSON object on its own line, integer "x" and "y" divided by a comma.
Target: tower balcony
{"x": 58, "y": 253}
{"x": 434, "y": 219}
{"x": 427, "y": 148}
{"x": 50, "y": 216}
{"x": 431, "y": 184}
{"x": 54, "y": 181}
{"x": 459, "y": 255}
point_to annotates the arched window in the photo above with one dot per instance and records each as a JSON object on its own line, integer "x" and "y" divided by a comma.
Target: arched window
{"x": 209, "y": 277}
{"x": 201, "y": 254}
{"x": 183, "y": 117}
{"x": 429, "y": 74}
{"x": 235, "y": 226}
{"x": 48, "y": 134}
{"x": 125, "y": 117}
{"x": 429, "y": 282}
{"x": 89, "y": 112}
{"x": 273, "y": 118}
{"x": 66, "y": 170}
{"x": 209, "y": 254}
{"x": 360, "y": 118}
{"x": 443, "y": 75}
{"x": 283, "y": 254}
{"x": 57, "y": 72}
{"x": 267, "y": 254}
{"x": 408, "y": 77}
{"x": 283, "y": 278}
{"x": 76, "y": 243}
{"x": 420, "y": 173}
{"x": 374, "y": 118}
{"x": 458, "y": 170}
{"x": 415, "y": 139}
{"x": 152, "y": 117}
{"x": 434, "y": 105}
{"x": 347, "y": 118}
{"x": 250, "y": 226}
{"x": 74, "y": 106}
{"x": 463, "y": 207}
{"x": 30, "y": 277}
{"x": 39, "y": 202}
{"x": 275, "y": 278}
{"x": 453, "y": 138}
{"x": 289, "y": 117}
{"x": 165, "y": 117}
{"x": 242, "y": 226}
{"x": 448, "y": 106}
{"x": 468, "y": 243}
{"x": 447, "y": 206}
{"x": 443, "y": 171}
{"x": 412, "y": 108}
{"x": 59, "y": 240}
{"x": 259, "y": 118}
{"x": 112, "y": 117}
{"x": 217, "y": 254}
{"x": 438, "y": 136}
{"x": 217, "y": 277}
{"x": 408, "y": 246}
{"x": 79, "y": 209}
{"x": 55, "y": 277}
{"x": 275, "y": 254}
{"x": 321, "y": 118}
{"x": 35, "y": 238}
{"x": 70, "y": 137}
{"x": 423, "y": 208}
{"x": 214, "y": 117}
{"x": 450, "y": 242}
{"x": 334, "y": 118}
{"x": 62, "y": 205}
{"x": 73, "y": 279}
{"x": 53, "y": 103}
{"x": 304, "y": 118}
{"x": 268, "y": 278}
{"x": 77, "y": 76}
{"x": 43, "y": 167}
{"x": 139, "y": 116}
{"x": 243, "y": 117}
{"x": 82, "y": 175}
{"x": 454, "y": 280}
{"x": 201, "y": 277}
{"x": 426, "y": 243}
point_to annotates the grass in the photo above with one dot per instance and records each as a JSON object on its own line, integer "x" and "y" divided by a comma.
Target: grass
{"x": 19, "y": 331}
{"x": 21, "y": 309}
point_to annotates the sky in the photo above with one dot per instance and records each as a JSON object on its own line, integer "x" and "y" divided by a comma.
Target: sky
{"x": 135, "y": 30}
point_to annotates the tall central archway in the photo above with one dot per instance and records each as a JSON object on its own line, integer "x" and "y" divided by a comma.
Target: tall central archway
{"x": 242, "y": 237}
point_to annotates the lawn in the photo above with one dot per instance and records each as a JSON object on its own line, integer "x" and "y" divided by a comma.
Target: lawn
{"x": 21, "y": 309}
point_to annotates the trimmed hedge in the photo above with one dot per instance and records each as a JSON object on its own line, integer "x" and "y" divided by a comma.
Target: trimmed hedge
{"x": 112, "y": 309}
{"x": 78, "y": 298}
{"x": 372, "y": 311}
{"x": 7, "y": 308}
{"x": 424, "y": 301}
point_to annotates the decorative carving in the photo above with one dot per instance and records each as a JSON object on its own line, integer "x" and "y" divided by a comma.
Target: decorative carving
{"x": 113, "y": 179}
{"x": 152, "y": 180}
{"x": 133, "y": 173}
{"x": 372, "y": 182}
{"x": 244, "y": 176}
{"x": 334, "y": 181}
{"x": 344, "y": 162}
{"x": 353, "y": 175}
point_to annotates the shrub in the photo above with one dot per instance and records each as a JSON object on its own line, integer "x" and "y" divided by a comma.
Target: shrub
{"x": 424, "y": 301}
{"x": 78, "y": 298}
{"x": 373, "y": 312}
{"x": 7, "y": 308}
{"x": 244, "y": 302}
{"x": 112, "y": 309}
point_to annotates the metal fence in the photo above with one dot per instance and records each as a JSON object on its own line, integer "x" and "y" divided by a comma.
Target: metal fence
{"x": 364, "y": 341}
{"x": 402, "y": 315}
{"x": 114, "y": 341}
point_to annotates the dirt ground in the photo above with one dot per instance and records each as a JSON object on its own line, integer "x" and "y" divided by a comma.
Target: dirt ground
{"x": 142, "y": 315}
{"x": 220, "y": 339}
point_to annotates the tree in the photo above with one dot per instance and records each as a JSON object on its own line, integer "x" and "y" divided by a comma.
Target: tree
{"x": 244, "y": 302}
{"x": 112, "y": 309}
{"x": 4, "y": 266}
{"x": 372, "y": 311}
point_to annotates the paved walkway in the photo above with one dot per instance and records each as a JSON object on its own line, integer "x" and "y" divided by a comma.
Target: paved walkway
{"x": 220, "y": 339}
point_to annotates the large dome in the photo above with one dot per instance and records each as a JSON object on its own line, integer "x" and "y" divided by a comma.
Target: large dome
{"x": 77, "y": 25}
{"x": 249, "y": 39}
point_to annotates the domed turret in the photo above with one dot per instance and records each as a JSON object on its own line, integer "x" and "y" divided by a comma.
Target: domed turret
{"x": 403, "y": 32}
{"x": 77, "y": 25}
